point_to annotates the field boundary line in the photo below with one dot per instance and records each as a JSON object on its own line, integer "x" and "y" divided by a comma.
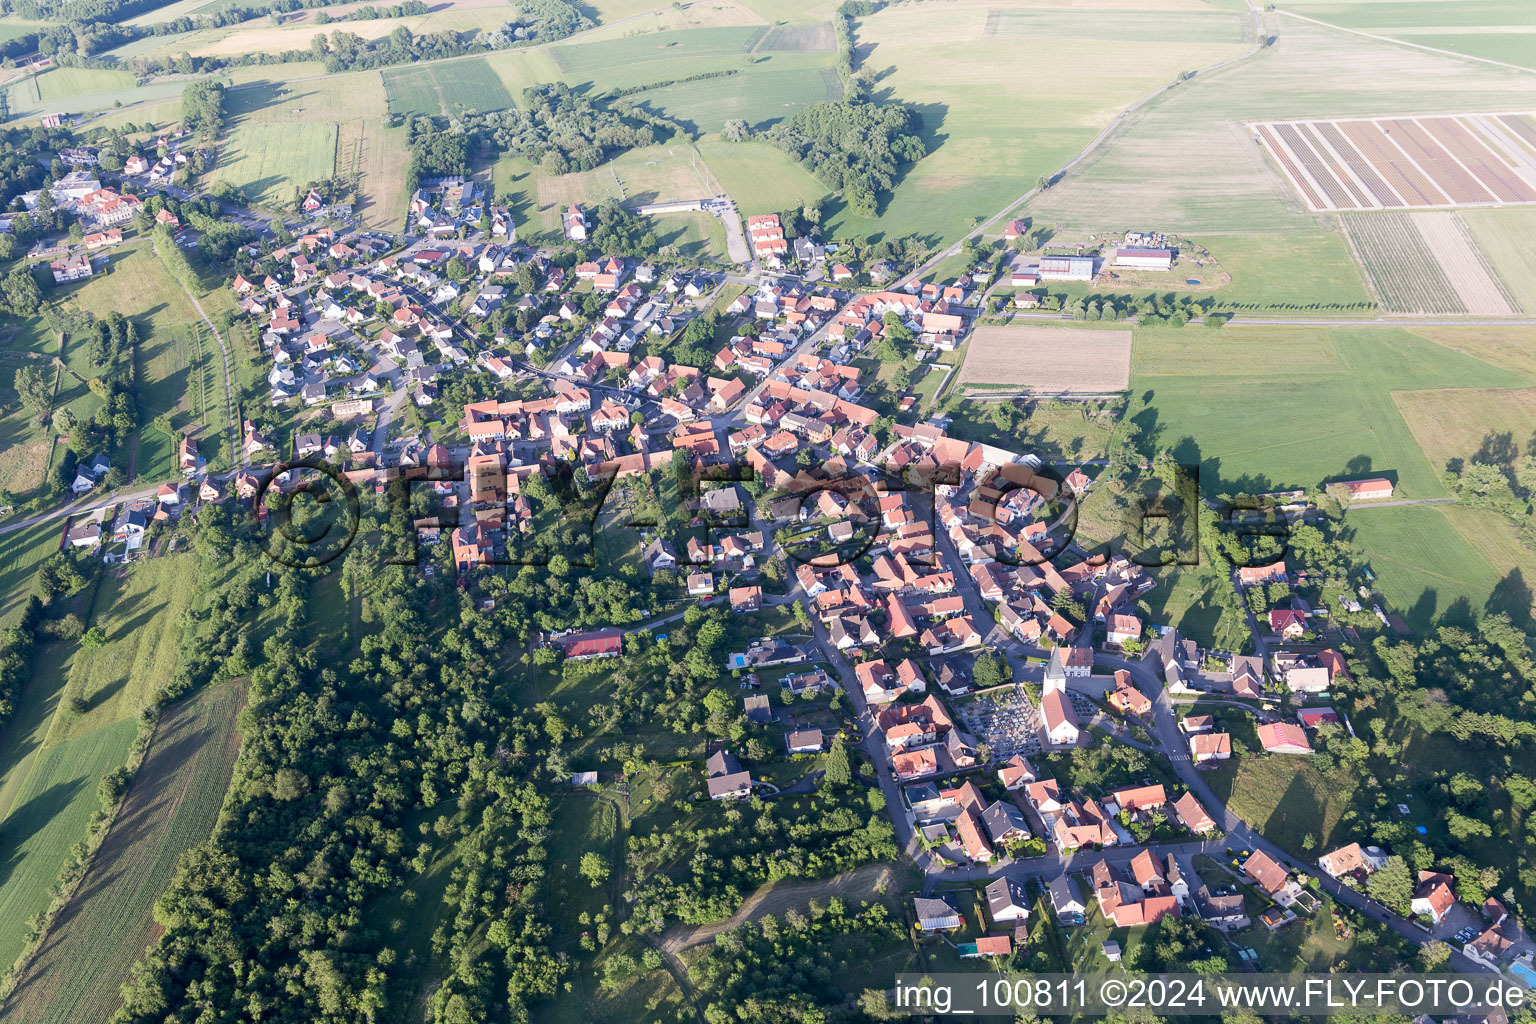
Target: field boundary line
{"x": 1401, "y": 42}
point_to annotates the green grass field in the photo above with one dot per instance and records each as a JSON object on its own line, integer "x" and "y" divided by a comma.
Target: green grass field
{"x": 47, "y": 814}
{"x": 20, "y": 552}
{"x": 1427, "y": 569}
{"x": 697, "y": 235}
{"x": 759, "y": 98}
{"x": 1285, "y": 798}
{"x": 445, "y": 88}
{"x": 656, "y": 48}
{"x": 172, "y": 805}
{"x": 270, "y": 161}
{"x": 759, "y": 177}
{"x": 1264, "y": 408}
{"x": 1298, "y": 269}
{"x": 141, "y": 614}
{"x": 60, "y": 83}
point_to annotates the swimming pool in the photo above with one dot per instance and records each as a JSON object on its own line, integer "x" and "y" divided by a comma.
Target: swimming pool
{"x": 1524, "y": 973}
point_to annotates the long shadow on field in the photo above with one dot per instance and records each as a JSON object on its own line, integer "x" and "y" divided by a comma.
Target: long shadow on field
{"x": 30, "y": 818}
{"x": 150, "y": 803}
{"x": 1512, "y": 596}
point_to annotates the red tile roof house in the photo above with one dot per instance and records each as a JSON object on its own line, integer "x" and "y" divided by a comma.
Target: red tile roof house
{"x": 1270, "y": 877}
{"x": 1287, "y": 622}
{"x": 1210, "y": 746}
{"x": 746, "y": 599}
{"x": 599, "y": 643}
{"x": 1284, "y": 738}
{"x": 1432, "y": 897}
{"x": 1368, "y": 490}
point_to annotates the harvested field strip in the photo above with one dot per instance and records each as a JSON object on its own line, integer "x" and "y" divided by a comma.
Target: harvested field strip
{"x": 1474, "y": 154}
{"x": 1452, "y": 178}
{"x": 1402, "y": 270}
{"x": 1476, "y": 284}
{"x": 1400, "y": 171}
{"x": 1290, "y": 169}
{"x": 172, "y": 806}
{"x": 1048, "y": 360}
{"x": 1362, "y": 167}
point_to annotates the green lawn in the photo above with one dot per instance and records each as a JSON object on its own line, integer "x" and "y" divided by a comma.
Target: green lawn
{"x": 1264, "y": 408}
{"x": 270, "y": 161}
{"x": 1426, "y": 569}
{"x": 1285, "y": 798}
{"x": 445, "y": 88}
{"x": 141, "y": 615}
{"x": 172, "y": 805}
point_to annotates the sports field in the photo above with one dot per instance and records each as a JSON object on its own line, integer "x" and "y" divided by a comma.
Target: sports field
{"x": 270, "y": 162}
{"x": 447, "y": 88}
{"x": 758, "y": 176}
{"x": 172, "y": 805}
{"x": 1047, "y": 360}
{"x": 1266, "y": 408}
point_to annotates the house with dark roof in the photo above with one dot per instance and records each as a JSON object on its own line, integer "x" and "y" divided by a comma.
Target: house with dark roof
{"x": 1006, "y": 901}
{"x": 725, "y": 777}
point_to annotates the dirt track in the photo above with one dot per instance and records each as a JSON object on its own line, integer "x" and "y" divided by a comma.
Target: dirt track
{"x": 777, "y": 897}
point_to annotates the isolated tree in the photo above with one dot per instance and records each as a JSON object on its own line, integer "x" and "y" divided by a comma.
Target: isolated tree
{"x": 839, "y": 772}
{"x": 593, "y": 868}
{"x": 736, "y": 130}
